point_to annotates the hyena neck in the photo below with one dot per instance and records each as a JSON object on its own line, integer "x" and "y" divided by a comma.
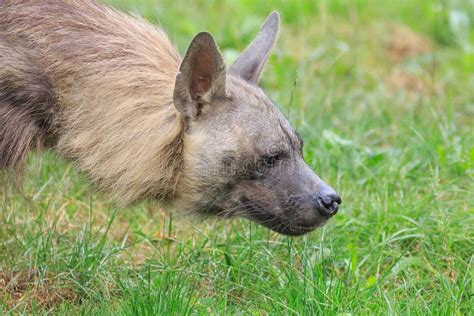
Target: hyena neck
{"x": 112, "y": 77}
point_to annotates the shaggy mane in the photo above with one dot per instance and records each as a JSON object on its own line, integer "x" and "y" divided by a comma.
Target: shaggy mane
{"x": 111, "y": 78}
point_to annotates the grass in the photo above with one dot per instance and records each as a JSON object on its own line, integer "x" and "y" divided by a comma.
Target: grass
{"x": 382, "y": 94}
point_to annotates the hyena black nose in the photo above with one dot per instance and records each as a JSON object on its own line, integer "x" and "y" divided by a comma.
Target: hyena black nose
{"x": 327, "y": 202}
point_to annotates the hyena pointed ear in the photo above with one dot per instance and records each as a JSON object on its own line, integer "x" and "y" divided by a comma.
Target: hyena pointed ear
{"x": 250, "y": 63}
{"x": 201, "y": 77}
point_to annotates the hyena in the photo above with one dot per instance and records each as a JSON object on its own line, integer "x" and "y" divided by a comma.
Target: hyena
{"x": 111, "y": 93}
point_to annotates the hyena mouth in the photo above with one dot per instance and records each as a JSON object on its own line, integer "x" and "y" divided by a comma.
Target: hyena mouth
{"x": 259, "y": 215}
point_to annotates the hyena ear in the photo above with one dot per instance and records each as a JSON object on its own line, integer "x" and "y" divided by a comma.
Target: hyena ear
{"x": 201, "y": 77}
{"x": 250, "y": 63}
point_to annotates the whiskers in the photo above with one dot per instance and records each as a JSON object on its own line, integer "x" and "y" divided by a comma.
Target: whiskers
{"x": 251, "y": 209}
{"x": 259, "y": 210}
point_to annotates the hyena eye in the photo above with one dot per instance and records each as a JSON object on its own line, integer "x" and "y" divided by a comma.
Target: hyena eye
{"x": 264, "y": 163}
{"x": 270, "y": 161}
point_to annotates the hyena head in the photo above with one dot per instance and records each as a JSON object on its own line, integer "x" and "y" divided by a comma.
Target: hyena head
{"x": 241, "y": 156}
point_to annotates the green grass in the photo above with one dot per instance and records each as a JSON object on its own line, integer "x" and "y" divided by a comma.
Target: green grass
{"x": 382, "y": 93}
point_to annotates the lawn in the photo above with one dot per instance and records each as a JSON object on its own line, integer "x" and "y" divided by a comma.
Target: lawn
{"x": 382, "y": 93}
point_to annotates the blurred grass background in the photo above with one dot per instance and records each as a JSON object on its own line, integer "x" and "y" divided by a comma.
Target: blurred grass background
{"x": 383, "y": 95}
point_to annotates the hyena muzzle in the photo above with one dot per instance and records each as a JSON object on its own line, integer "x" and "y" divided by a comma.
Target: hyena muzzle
{"x": 110, "y": 93}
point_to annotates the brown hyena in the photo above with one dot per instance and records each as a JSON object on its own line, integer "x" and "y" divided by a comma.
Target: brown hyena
{"x": 111, "y": 93}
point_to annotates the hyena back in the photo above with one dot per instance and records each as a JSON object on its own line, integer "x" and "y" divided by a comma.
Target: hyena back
{"x": 111, "y": 93}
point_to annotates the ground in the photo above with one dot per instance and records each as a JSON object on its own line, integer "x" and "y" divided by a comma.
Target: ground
{"x": 382, "y": 93}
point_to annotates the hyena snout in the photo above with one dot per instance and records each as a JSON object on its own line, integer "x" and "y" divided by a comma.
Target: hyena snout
{"x": 324, "y": 203}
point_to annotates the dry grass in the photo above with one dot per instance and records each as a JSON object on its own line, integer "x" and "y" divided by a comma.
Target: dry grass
{"x": 35, "y": 289}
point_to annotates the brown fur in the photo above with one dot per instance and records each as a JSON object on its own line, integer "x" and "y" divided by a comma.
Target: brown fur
{"x": 114, "y": 79}
{"x": 26, "y": 105}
